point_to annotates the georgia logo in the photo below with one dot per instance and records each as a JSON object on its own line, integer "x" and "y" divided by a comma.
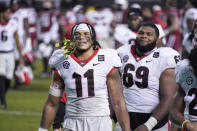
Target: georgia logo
{"x": 125, "y": 58}
{"x": 189, "y": 80}
{"x": 66, "y": 64}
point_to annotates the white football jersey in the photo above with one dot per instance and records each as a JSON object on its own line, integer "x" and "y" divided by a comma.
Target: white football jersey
{"x": 32, "y": 19}
{"x": 188, "y": 83}
{"x": 124, "y": 35}
{"x": 85, "y": 81}
{"x": 19, "y": 16}
{"x": 189, "y": 14}
{"x": 47, "y": 27}
{"x": 7, "y": 40}
{"x": 141, "y": 76}
{"x": 102, "y": 20}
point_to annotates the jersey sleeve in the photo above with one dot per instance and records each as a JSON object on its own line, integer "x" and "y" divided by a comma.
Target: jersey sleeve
{"x": 14, "y": 25}
{"x": 113, "y": 59}
{"x": 118, "y": 35}
{"x": 24, "y": 13}
{"x": 179, "y": 69}
{"x": 56, "y": 58}
{"x": 169, "y": 58}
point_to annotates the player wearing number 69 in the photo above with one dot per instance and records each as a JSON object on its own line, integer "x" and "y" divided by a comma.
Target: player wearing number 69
{"x": 148, "y": 79}
{"x": 88, "y": 75}
{"x": 183, "y": 110}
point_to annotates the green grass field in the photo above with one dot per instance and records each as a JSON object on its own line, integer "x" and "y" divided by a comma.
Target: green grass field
{"x": 25, "y": 105}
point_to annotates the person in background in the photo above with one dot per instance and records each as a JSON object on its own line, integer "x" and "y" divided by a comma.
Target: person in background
{"x": 189, "y": 17}
{"x": 102, "y": 18}
{"x": 47, "y": 34}
{"x": 118, "y": 8}
{"x": 153, "y": 15}
{"x": 9, "y": 37}
{"x": 172, "y": 31}
{"x": 20, "y": 14}
{"x": 188, "y": 25}
{"x": 126, "y": 34}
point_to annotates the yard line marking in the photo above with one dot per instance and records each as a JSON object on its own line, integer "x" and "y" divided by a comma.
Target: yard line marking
{"x": 21, "y": 113}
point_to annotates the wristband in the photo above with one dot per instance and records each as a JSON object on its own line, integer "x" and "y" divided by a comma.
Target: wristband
{"x": 54, "y": 90}
{"x": 151, "y": 123}
{"x": 42, "y": 129}
{"x": 184, "y": 122}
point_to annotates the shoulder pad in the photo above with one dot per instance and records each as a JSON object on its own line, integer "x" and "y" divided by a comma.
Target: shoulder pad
{"x": 181, "y": 65}
{"x": 167, "y": 51}
{"x": 56, "y": 58}
{"x": 168, "y": 57}
{"x": 123, "y": 48}
{"x": 112, "y": 57}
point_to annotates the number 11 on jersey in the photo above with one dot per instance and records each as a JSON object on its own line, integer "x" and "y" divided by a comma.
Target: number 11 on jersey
{"x": 78, "y": 81}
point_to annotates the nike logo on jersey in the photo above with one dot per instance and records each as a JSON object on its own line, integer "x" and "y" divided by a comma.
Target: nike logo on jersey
{"x": 95, "y": 64}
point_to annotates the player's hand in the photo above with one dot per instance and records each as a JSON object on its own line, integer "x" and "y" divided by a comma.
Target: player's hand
{"x": 141, "y": 128}
{"x": 190, "y": 126}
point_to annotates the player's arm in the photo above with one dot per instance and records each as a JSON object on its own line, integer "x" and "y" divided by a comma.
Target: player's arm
{"x": 177, "y": 108}
{"x": 18, "y": 45}
{"x": 175, "y": 25}
{"x": 52, "y": 102}
{"x": 117, "y": 100}
{"x": 167, "y": 90}
{"x": 26, "y": 27}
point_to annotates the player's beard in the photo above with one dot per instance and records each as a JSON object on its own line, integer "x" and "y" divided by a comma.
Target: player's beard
{"x": 83, "y": 50}
{"x": 146, "y": 48}
{"x": 88, "y": 39}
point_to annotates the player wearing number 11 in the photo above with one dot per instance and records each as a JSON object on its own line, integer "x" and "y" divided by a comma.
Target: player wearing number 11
{"x": 148, "y": 79}
{"x": 88, "y": 75}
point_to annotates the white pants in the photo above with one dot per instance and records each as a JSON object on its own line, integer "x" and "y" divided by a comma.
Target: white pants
{"x": 163, "y": 128}
{"x": 7, "y": 63}
{"x": 88, "y": 124}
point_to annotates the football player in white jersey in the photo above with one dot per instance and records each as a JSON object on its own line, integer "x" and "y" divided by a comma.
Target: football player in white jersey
{"x": 47, "y": 34}
{"x": 102, "y": 19}
{"x": 21, "y": 16}
{"x": 126, "y": 34}
{"x": 8, "y": 37}
{"x": 148, "y": 80}
{"x": 183, "y": 110}
{"x": 88, "y": 75}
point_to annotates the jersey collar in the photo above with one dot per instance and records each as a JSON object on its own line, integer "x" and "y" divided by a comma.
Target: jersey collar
{"x": 84, "y": 62}
{"x": 138, "y": 58}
